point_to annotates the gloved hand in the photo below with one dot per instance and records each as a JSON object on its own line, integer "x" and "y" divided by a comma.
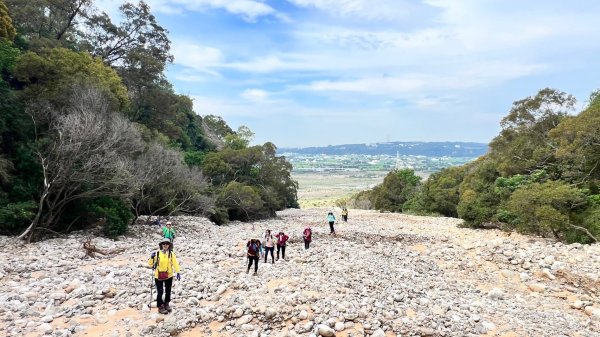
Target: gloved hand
{"x": 178, "y": 277}
{"x": 152, "y": 255}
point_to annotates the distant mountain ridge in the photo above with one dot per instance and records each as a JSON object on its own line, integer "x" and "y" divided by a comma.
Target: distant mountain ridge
{"x": 430, "y": 149}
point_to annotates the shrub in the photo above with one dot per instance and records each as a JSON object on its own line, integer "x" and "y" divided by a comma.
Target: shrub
{"x": 546, "y": 209}
{"x": 116, "y": 212}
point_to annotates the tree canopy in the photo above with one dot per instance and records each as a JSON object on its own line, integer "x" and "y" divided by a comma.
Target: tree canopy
{"x": 541, "y": 175}
{"x": 92, "y": 132}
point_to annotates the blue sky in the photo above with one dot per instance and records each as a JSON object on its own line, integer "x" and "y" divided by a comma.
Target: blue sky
{"x": 320, "y": 72}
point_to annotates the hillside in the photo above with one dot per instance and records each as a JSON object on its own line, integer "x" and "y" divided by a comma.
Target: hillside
{"x": 431, "y": 149}
{"x": 384, "y": 275}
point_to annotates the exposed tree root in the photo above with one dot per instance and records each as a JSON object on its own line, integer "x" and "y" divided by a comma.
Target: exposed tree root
{"x": 91, "y": 250}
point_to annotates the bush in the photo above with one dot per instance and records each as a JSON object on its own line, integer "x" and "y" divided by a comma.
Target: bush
{"x": 116, "y": 212}
{"x": 16, "y": 216}
{"x": 397, "y": 188}
{"x": 475, "y": 209}
{"x": 546, "y": 209}
{"x": 218, "y": 216}
{"x": 242, "y": 202}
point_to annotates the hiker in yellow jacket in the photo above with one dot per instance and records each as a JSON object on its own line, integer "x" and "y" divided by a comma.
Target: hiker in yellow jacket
{"x": 165, "y": 265}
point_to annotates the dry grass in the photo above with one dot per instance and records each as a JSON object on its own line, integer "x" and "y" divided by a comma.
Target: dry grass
{"x": 323, "y": 189}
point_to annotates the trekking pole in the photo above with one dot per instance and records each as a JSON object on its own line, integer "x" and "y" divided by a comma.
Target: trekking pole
{"x": 151, "y": 290}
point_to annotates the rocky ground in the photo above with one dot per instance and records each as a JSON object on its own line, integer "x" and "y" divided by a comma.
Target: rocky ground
{"x": 383, "y": 275}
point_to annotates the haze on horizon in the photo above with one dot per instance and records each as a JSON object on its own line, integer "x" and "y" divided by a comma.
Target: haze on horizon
{"x": 305, "y": 73}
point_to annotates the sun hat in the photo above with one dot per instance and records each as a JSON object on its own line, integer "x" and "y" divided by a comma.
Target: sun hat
{"x": 165, "y": 243}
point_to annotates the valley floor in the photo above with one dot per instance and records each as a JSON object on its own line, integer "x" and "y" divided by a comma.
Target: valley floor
{"x": 382, "y": 275}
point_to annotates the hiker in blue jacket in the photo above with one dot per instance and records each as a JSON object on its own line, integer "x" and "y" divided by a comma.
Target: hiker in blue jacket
{"x": 331, "y": 219}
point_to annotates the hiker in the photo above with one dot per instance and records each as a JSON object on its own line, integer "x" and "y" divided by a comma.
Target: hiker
{"x": 169, "y": 232}
{"x": 253, "y": 252}
{"x": 307, "y": 235}
{"x": 164, "y": 263}
{"x": 281, "y": 240}
{"x": 345, "y": 214}
{"x": 331, "y": 219}
{"x": 269, "y": 243}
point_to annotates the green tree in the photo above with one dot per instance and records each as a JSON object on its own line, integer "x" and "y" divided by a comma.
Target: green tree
{"x": 52, "y": 75}
{"x": 137, "y": 34}
{"x": 242, "y": 202}
{"x": 546, "y": 209}
{"x": 397, "y": 188}
{"x": 524, "y": 143}
{"x": 578, "y": 140}
{"x": 478, "y": 199}
{"x": 240, "y": 139}
{"x": 441, "y": 191}
{"x": 52, "y": 20}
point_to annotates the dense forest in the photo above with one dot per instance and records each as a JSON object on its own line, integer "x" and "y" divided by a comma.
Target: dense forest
{"x": 93, "y": 134}
{"x": 541, "y": 175}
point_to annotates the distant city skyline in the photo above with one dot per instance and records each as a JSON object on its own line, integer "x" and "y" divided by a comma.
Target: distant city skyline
{"x": 303, "y": 73}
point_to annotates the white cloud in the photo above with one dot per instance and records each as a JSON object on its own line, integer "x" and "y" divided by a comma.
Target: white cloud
{"x": 364, "y": 9}
{"x": 249, "y": 10}
{"x": 412, "y": 86}
{"x": 196, "y": 56}
{"x": 256, "y": 95}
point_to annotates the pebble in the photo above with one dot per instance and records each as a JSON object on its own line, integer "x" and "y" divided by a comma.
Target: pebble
{"x": 384, "y": 272}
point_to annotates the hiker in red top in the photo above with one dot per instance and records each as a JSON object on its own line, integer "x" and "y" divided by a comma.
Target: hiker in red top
{"x": 307, "y": 235}
{"x": 281, "y": 240}
{"x": 253, "y": 252}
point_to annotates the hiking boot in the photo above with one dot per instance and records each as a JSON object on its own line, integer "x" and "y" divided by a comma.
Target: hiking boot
{"x": 255, "y": 274}
{"x": 168, "y": 307}
{"x": 162, "y": 310}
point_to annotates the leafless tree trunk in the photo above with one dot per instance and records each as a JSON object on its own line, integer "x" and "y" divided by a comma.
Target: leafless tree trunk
{"x": 87, "y": 155}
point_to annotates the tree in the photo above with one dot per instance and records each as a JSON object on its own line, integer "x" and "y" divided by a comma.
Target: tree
{"x": 578, "y": 140}
{"x": 163, "y": 185}
{"x": 138, "y": 34}
{"x": 397, "y": 188}
{"x": 240, "y": 139}
{"x": 242, "y": 202}
{"x": 51, "y": 75}
{"x": 441, "y": 191}
{"x": 478, "y": 199}
{"x": 546, "y": 209}
{"x": 48, "y": 19}
{"x": 524, "y": 143}
{"x": 86, "y": 155}
{"x": 7, "y": 30}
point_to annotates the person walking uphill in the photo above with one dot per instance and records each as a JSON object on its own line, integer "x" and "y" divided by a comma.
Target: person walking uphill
{"x": 307, "y": 235}
{"x": 169, "y": 232}
{"x": 345, "y": 214}
{"x": 331, "y": 219}
{"x": 165, "y": 265}
{"x": 253, "y": 253}
{"x": 269, "y": 243}
{"x": 281, "y": 242}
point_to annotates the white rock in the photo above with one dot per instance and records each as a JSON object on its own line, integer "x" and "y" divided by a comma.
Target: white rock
{"x": 378, "y": 333}
{"x": 325, "y": 330}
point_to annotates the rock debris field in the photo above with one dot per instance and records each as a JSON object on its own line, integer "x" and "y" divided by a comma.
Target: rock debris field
{"x": 382, "y": 275}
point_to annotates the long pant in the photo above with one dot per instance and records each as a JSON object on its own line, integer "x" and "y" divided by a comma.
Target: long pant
{"x": 282, "y": 249}
{"x": 267, "y": 250}
{"x": 159, "y": 291}
{"x": 306, "y": 244}
{"x": 250, "y": 260}
{"x": 345, "y": 217}
{"x": 331, "y": 226}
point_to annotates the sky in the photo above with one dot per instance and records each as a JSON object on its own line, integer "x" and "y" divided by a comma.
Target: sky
{"x": 304, "y": 73}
